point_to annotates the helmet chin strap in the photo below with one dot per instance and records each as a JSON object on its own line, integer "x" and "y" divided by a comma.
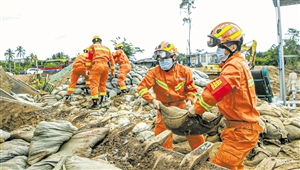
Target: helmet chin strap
{"x": 231, "y": 52}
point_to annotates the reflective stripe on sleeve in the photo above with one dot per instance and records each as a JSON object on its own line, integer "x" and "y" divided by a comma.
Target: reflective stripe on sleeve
{"x": 203, "y": 103}
{"x": 143, "y": 91}
{"x": 178, "y": 86}
{"x": 250, "y": 82}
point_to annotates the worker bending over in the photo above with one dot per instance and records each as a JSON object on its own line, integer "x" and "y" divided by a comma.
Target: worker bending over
{"x": 124, "y": 66}
{"x": 173, "y": 85}
{"x": 78, "y": 69}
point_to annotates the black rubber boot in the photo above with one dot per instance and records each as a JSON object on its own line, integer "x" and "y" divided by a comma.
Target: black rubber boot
{"x": 123, "y": 92}
{"x": 95, "y": 104}
{"x": 102, "y": 99}
{"x": 86, "y": 90}
{"x": 68, "y": 97}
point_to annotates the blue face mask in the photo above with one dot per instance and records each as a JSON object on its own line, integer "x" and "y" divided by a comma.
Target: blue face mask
{"x": 221, "y": 54}
{"x": 166, "y": 64}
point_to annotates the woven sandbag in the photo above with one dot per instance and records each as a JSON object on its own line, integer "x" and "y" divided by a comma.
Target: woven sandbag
{"x": 178, "y": 121}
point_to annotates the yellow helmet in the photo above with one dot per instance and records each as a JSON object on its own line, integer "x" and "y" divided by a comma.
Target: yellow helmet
{"x": 86, "y": 50}
{"x": 97, "y": 38}
{"x": 164, "y": 50}
{"x": 119, "y": 46}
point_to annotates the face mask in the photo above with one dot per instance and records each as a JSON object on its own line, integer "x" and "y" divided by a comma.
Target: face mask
{"x": 221, "y": 54}
{"x": 166, "y": 64}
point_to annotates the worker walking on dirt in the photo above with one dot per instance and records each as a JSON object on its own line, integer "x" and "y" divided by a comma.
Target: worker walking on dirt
{"x": 173, "y": 85}
{"x": 234, "y": 93}
{"x": 124, "y": 66}
{"x": 97, "y": 62}
{"x": 78, "y": 69}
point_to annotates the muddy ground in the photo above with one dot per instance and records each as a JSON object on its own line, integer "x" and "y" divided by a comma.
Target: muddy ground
{"x": 119, "y": 150}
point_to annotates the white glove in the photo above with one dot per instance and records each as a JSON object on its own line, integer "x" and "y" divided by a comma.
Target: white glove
{"x": 188, "y": 105}
{"x": 191, "y": 112}
{"x": 156, "y": 104}
{"x": 87, "y": 73}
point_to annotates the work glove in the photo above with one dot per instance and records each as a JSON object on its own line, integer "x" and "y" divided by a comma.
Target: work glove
{"x": 188, "y": 105}
{"x": 191, "y": 112}
{"x": 156, "y": 104}
{"x": 87, "y": 73}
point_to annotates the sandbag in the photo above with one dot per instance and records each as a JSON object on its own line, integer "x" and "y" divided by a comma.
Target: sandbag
{"x": 17, "y": 162}
{"x": 178, "y": 121}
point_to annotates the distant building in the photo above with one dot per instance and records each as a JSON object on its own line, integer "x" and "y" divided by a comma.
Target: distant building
{"x": 201, "y": 59}
{"x": 206, "y": 58}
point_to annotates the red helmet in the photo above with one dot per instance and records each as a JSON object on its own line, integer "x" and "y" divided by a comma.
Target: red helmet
{"x": 224, "y": 32}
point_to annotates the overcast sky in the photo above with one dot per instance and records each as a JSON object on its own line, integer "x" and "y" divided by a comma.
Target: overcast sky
{"x": 47, "y": 27}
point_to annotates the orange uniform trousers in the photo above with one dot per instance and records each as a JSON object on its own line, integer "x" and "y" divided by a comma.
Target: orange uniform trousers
{"x": 124, "y": 69}
{"x": 194, "y": 141}
{"x": 236, "y": 144}
{"x": 98, "y": 77}
{"x": 77, "y": 70}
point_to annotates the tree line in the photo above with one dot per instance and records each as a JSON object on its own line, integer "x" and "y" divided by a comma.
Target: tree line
{"x": 269, "y": 57}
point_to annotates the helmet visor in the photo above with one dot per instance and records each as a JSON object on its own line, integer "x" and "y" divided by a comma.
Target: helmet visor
{"x": 213, "y": 41}
{"x": 161, "y": 55}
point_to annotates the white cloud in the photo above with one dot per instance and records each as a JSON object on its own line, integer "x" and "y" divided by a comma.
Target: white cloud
{"x": 47, "y": 27}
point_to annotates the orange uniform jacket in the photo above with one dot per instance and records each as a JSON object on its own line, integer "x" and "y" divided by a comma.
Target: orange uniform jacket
{"x": 120, "y": 57}
{"x": 80, "y": 60}
{"x": 99, "y": 53}
{"x": 172, "y": 88}
{"x": 175, "y": 85}
{"x": 77, "y": 70}
{"x": 233, "y": 92}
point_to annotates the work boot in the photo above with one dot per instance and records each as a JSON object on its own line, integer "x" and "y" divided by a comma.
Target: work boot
{"x": 102, "y": 99}
{"x": 86, "y": 90}
{"x": 95, "y": 104}
{"x": 68, "y": 97}
{"x": 123, "y": 92}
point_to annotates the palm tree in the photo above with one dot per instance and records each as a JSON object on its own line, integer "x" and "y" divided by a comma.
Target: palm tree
{"x": 9, "y": 54}
{"x": 20, "y": 52}
{"x": 31, "y": 56}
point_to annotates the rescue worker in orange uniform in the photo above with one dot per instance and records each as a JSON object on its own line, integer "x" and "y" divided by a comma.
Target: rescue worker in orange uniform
{"x": 78, "y": 69}
{"x": 173, "y": 85}
{"x": 234, "y": 94}
{"x": 97, "y": 62}
{"x": 124, "y": 66}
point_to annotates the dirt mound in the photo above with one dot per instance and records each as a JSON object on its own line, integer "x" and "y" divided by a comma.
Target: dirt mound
{"x": 26, "y": 78}
{"x": 275, "y": 78}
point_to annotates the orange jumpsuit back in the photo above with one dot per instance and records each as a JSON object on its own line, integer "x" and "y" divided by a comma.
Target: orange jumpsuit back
{"x": 99, "y": 55}
{"x": 78, "y": 69}
{"x": 124, "y": 67}
{"x": 172, "y": 88}
{"x": 237, "y": 105}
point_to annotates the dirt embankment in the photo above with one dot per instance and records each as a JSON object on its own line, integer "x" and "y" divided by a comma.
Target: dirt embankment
{"x": 26, "y": 78}
{"x": 275, "y": 77}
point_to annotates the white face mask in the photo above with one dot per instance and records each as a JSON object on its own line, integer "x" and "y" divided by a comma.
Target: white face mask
{"x": 166, "y": 64}
{"x": 221, "y": 54}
